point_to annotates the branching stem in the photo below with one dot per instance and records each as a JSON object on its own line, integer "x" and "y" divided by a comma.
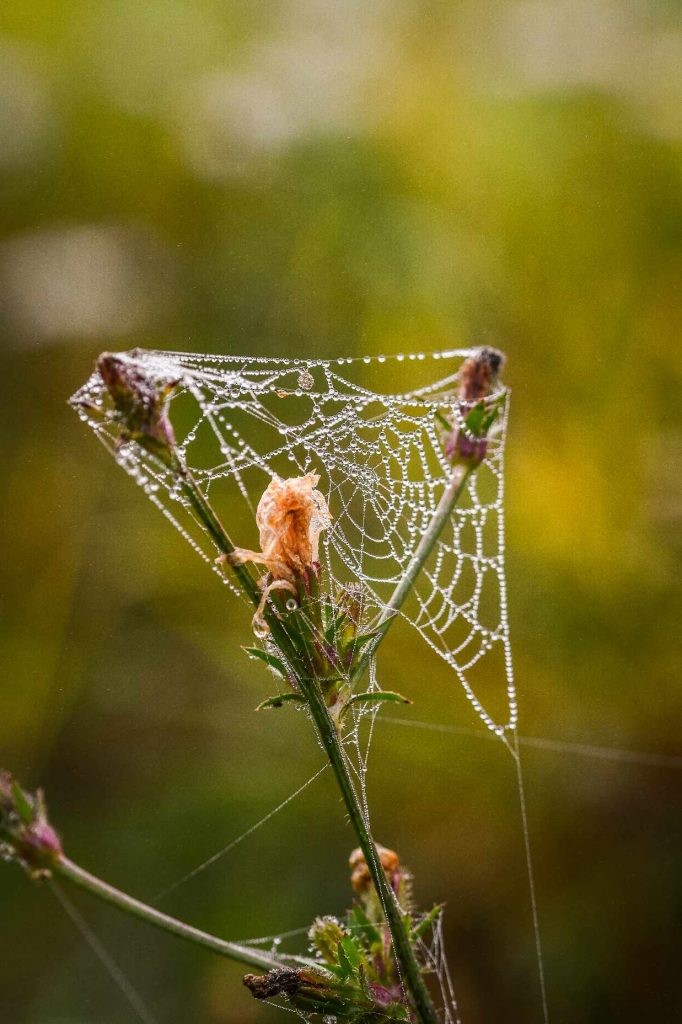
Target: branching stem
{"x": 410, "y": 971}
{"x": 233, "y": 950}
{"x": 444, "y": 510}
{"x": 408, "y": 965}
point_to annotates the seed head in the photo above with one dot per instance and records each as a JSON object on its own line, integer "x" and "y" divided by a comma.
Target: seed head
{"x": 140, "y": 403}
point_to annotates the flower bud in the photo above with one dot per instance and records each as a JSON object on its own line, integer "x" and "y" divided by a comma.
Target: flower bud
{"x": 140, "y": 403}
{"x": 399, "y": 878}
{"x": 326, "y": 933}
{"x": 467, "y": 442}
{"x": 25, "y": 833}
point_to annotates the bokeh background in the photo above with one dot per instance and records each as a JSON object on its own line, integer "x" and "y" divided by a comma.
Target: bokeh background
{"x": 308, "y": 177}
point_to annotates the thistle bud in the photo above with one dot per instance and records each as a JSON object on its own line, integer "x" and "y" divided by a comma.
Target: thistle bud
{"x": 326, "y": 933}
{"x": 25, "y": 833}
{"x": 467, "y": 444}
{"x": 140, "y": 403}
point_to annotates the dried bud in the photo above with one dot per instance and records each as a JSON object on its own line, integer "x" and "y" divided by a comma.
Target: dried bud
{"x": 326, "y": 933}
{"x": 140, "y": 402}
{"x": 478, "y": 375}
{"x": 305, "y": 988}
{"x": 25, "y": 833}
{"x": 361, "y": 879}
{"x": 468, "y": 444}
{"x": 318, "y": 992}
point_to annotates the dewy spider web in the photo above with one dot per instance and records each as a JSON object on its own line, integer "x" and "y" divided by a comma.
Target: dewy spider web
{"x": 383, "y": 469}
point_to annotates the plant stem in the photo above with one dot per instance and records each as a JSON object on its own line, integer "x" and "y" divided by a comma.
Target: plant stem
{"x": 215, "y": 528}
{"x": 244, "y": 954}
{"x": 408, "y": 966}
{"x": 444, "y": 510}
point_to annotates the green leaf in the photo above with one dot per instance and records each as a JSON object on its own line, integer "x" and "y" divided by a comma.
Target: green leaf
{"x": 350, "y": 957}
{"x": 491, "y": 417}
{"x": 364, "y": 638}
{"x": 358, "y": 642}
{"x": 352, "y": 951}
{"x": 331, "y": 630}
{"x": 279, "y": 699}
{"x": 375, "y": 697}
{"x": 362, "y": 928}
{"x": 23, "y": 805}
{"x": 345, "y": 964}
{"x": 474, "y": 419}
{"x": 426, "y": 922}
{"x": 269, "y": 659}
{"x": 442, "y": 420}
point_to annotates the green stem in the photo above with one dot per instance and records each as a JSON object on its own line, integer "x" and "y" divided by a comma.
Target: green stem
{"x": 223, "y": 542}
{"x": 441, "y": 516}
{"x": 243, "y": 954}
{"x": 409, "y": 968}
{"x": 215, "y": 528}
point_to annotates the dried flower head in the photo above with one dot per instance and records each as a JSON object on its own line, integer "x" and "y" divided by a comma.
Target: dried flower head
{"x": 478, "y": 374}
{"x": 290, "y": 517}
{"x": 467, "y": 444}
{"x": 140, "y": 403}
{"x": 360, "y": 878}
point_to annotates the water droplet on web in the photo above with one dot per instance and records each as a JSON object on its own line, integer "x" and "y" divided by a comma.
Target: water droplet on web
{"x": 305, "y": 380}
{"x": 291, "y": 605}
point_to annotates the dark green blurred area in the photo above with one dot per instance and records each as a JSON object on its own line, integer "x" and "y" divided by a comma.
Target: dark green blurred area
{"x": 304, "y": 178}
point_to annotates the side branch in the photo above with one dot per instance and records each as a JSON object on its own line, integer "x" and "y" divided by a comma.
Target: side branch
{"x": 129, "y": 905}
{"x": 441, "y": 516}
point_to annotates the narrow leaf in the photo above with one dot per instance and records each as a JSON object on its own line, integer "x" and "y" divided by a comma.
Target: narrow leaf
{"x": 360, "y": 925}
{"x": 359, "y": 641}
{"x": 24, "y": 808}
{"x": 345, "y": 964}
{"x": 331, "y": 630}
{"x": 352, "y": 951}
{"x": 377, "y": 696}
{"x": 279, "y": 699}
{"x": 442, "y": 420}
{"x": 269, "y": 659}
{"x": 426, "y": 921}
{"x": 474, "y": 419}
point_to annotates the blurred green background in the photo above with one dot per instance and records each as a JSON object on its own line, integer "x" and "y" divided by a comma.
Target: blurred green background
{"x": 309, "y": 177}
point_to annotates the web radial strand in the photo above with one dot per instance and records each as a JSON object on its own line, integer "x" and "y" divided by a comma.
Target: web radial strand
{"x": 382, "y": 464}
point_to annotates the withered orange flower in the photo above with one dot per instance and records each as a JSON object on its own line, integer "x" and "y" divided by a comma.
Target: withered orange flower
{"x": 290, "y": 517}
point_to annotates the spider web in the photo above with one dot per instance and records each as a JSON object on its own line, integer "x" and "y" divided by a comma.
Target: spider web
{"x": 383, "y": 470}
